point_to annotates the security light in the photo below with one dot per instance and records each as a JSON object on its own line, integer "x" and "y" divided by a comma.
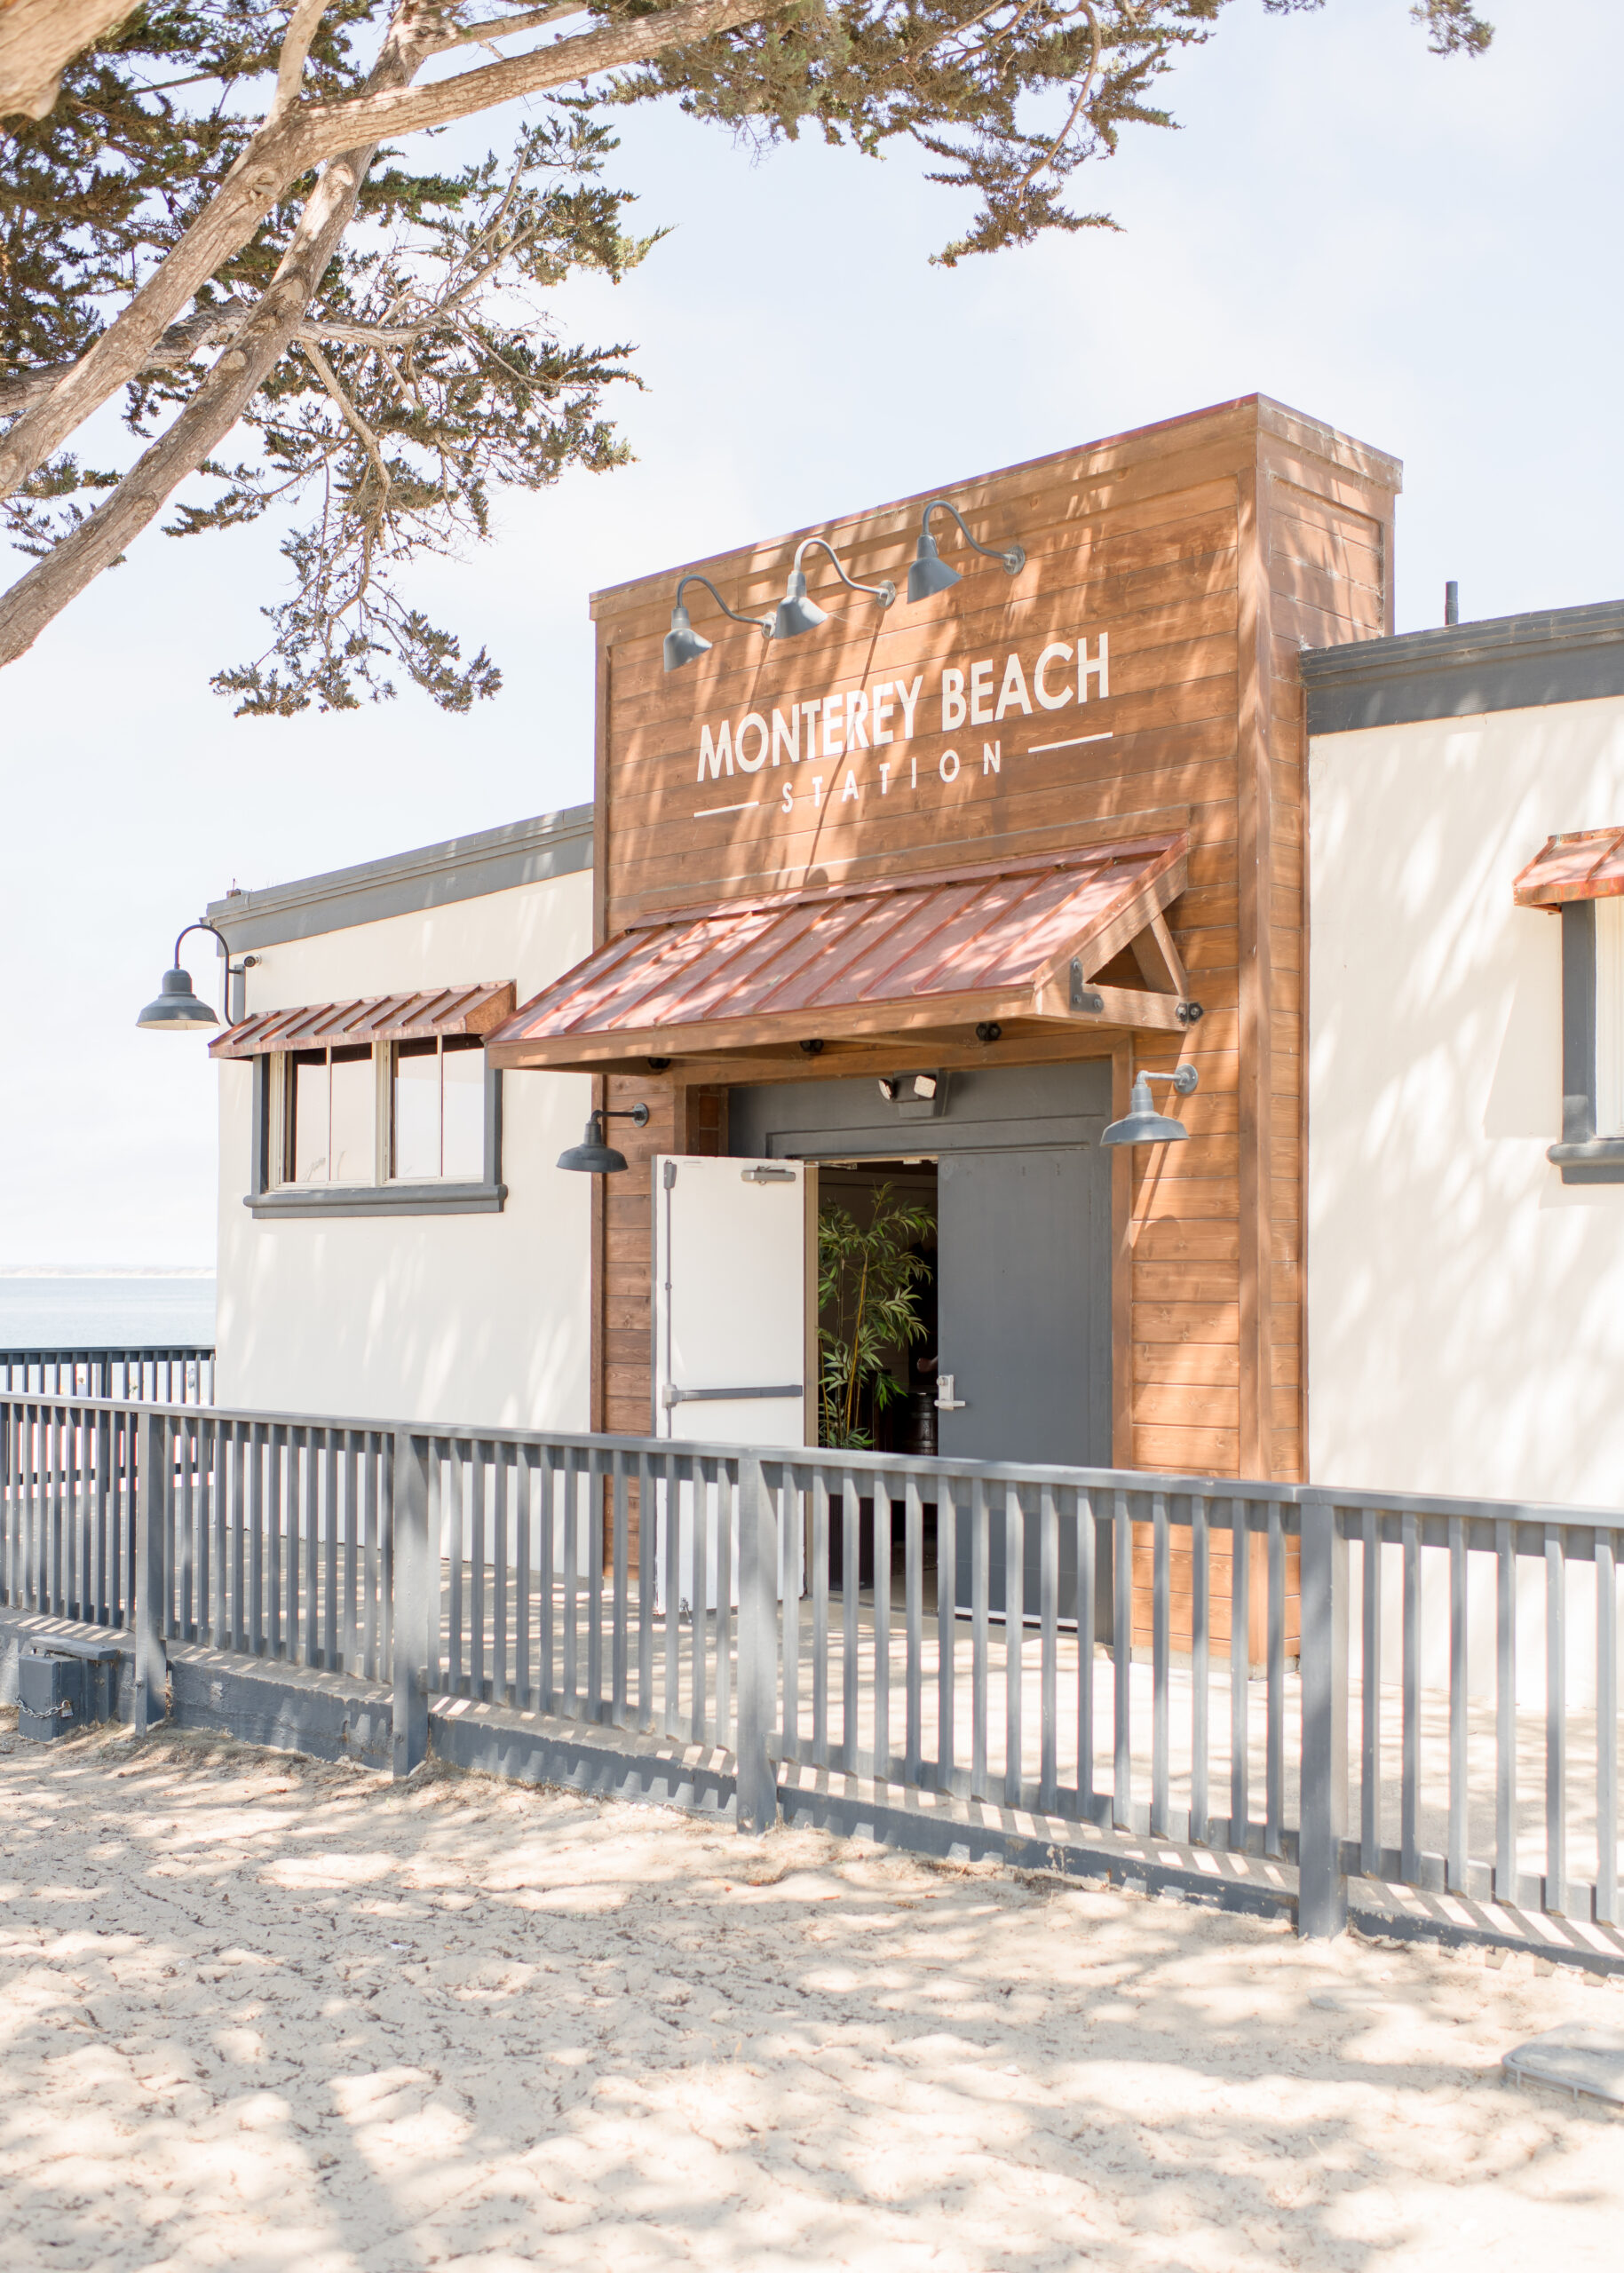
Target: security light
{"x": 796, "y": 614}
{"x": 889, "y": 1087}
{"x": 931, "y": 574}
{"x": 1143, "y": 1124}
{"x": 925, "y": 1085}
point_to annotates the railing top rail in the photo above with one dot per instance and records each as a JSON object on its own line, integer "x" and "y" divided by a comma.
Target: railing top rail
{"x": 1138, "y": 1483}
{"x": 1440, "y": 1506}
{"x": 70, "y": 1353}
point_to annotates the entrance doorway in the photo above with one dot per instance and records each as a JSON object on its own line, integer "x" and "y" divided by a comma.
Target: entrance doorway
{"x": 1021, "y": 1277}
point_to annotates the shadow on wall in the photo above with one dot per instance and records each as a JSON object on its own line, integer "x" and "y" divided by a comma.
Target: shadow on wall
{"x": 1466, "y": 1309}
{"x": 476, "y": 1319}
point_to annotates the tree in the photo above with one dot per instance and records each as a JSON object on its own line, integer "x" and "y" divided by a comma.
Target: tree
{"x": 212, "y": 220}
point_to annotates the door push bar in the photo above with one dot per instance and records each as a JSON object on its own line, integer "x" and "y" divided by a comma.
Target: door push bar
{"x": 671, "y": 1395}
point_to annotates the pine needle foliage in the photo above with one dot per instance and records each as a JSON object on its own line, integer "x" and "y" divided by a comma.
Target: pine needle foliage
{"x": 425, "y": 376}
{"x": 869, "y": 1281}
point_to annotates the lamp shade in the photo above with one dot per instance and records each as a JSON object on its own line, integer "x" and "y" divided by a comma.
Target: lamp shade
{"x": 796, "y": 612}
{"x": 682, "y": 641}
{"x": 930, "y": 573}
{"x": 591, "y": 1156}
{"x": 178, "y": 1009}
{"x": 1143, "y": 1124}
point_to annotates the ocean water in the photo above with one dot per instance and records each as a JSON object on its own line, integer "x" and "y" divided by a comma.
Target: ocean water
{"x": 75, "y": 1312}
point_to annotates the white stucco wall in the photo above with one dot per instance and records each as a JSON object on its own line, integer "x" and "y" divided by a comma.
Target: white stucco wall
{"x": 1465, "y": 1308}
{"x": 473, "y": 1318}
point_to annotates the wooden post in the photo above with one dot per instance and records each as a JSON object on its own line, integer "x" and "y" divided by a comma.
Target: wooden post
{"x": 1322, "y": 1890}
{"x": 756, "y": 1784}
{"x": 152, "y": 1514}
{"x": 416, "y": 1608}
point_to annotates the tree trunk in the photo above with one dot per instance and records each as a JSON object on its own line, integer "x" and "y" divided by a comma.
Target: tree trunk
{"x": 38, "y": 39}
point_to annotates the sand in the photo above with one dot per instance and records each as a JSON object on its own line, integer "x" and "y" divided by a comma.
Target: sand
{"x": 263, "y": 2013}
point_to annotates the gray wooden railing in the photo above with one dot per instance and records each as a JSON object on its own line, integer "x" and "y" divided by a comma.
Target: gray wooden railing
{"x": 958, "y": 1629}
{"x": 179, "y": 1372}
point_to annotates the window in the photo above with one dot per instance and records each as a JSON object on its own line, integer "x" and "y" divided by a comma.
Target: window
{"x": 333, "y": 1100}
{"x": 438, "y": 1111}
{"x": 1591, "y": 1150}
{"x": 1608, "y": 919}
{"x": 403, "y": 1127}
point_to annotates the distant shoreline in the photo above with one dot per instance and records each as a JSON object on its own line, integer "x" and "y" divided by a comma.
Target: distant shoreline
{"x": 97, "y": 1271}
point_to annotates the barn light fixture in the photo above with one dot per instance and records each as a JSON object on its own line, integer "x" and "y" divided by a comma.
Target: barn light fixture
{"x": 931, "y": 572}
{"x": 594, "y": 1155}
{"x": 796, "y": 614}
{"x": 683, "y": 642}
{"x": 178, "y": 1009}
{"x": 1143, "y": 1124}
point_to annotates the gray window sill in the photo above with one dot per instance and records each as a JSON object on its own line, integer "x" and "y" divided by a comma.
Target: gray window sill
{"x": 1597, "y": 1159}
{"x": 379, "y": 1199}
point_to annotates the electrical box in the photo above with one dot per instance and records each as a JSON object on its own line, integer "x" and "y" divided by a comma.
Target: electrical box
{"x": 63, "y": 1685}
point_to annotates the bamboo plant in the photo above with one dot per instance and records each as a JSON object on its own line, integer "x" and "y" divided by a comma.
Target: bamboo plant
{"x": 869, "y": 1281}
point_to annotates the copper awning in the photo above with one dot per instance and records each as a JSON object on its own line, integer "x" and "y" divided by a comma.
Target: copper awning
{"x": 1581, "y": 864}
{"x": 873, "y": 964}
{"x": 375, "y": 1018}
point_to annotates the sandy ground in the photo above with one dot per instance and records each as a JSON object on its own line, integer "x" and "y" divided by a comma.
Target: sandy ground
{"x": 267, "y": 2015}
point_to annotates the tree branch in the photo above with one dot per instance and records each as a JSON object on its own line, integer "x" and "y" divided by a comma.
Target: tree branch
{"x": 208, "y": 328}
{"x": 295, "y": 48}
{"x": 301, "y": 139}
{"x": 220, "y": 400}
{"x": 480, "y": 35}
{"x": 352, "y": 418}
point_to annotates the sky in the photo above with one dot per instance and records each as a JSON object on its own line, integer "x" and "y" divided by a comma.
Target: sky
{"x": 1422, "y": 252}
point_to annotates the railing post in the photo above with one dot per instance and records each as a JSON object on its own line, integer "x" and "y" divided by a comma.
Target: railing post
{"x": 756, "y": 1782}
{"x": 153, "y": 1502}
{"x": 1322, "y": 1890}
{"x": 416, "y": 1604}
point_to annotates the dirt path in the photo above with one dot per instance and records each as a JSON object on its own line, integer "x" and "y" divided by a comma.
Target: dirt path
{"x": 266, "y": 2014}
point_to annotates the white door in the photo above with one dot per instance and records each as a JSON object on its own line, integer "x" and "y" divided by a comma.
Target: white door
{"x": 730, "y": 1301}
{"x": 732, "y": 1328}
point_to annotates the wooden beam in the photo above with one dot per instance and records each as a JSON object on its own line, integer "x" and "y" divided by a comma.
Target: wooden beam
{"x": 1159, "y": 959}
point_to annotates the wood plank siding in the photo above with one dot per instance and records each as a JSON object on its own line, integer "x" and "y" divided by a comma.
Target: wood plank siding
{"x": 1204, "y": 553}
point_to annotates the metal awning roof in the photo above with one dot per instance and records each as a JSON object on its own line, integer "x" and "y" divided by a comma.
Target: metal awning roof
{"x": 872, "y": 963}
{"x": 375, "y": 1018}
{"x": 1582, "y": 864}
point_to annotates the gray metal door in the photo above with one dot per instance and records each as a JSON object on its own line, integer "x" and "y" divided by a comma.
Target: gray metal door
{"x": 1024, "y": 1324}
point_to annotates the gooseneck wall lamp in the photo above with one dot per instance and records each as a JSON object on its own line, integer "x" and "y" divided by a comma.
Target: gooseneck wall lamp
{"x": 796, "y": 614}
{"x": 683, "y": 642}
{"x": 178, "y": 1009}
{"x": 1143, "y": 1124}
{"x": 593, "y": 1155}
{"x": 931, "y": 572}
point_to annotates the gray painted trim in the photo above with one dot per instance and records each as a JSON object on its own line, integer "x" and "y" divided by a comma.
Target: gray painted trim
{"x": 1582, "y": 1156}
{"x": 530, "y": 1748}
{"x": 1512, "y": 662}
{"x": 408, "y": 884}
{"x": 380, "y": 1200}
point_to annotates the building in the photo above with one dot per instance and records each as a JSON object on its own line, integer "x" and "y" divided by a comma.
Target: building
{"x": 394, "y": 1240}
{"x": 911, "y": 893}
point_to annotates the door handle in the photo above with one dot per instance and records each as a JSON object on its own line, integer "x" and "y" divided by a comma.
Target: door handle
{"x": 946, "y": 1401}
